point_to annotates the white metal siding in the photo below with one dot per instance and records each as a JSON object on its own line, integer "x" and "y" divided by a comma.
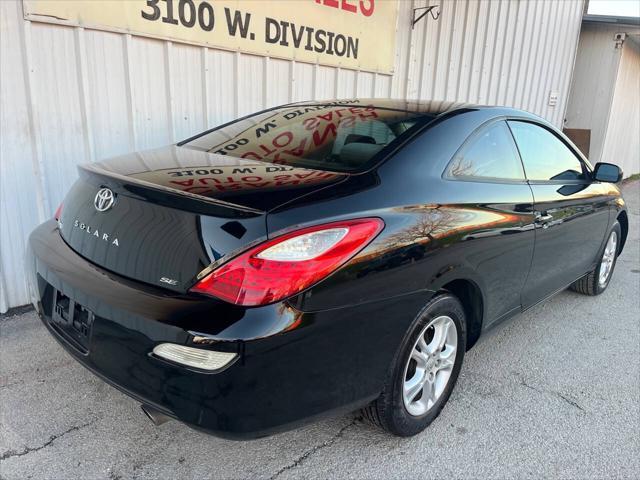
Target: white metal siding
{"x": 70, "y": 95}
{"x": 594, "y": 79}
{"x": 622, "y": 141}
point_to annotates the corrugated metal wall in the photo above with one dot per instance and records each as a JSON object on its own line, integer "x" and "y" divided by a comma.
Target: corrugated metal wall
{"x": 606, "y": 99}
{"x": 620, "y": 146}
{"x": 70, "y": 95}
{"x": 592, "y": 89}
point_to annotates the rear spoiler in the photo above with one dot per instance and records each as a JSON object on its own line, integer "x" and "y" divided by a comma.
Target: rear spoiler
{"x": 163, "y": 195}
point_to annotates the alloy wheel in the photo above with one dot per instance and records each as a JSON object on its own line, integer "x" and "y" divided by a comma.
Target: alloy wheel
{"x": 430, "y": 365}
{"x": 608, "y": 258}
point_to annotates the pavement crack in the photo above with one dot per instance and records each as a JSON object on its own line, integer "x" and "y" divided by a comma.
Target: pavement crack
{"x": 569, "y": 401}
{"x": 48, "y": 443}
{"x": 553, "y": 392}
{"x": 312, "y": 451}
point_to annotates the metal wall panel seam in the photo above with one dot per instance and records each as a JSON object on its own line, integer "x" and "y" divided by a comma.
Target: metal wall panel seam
{"x": 37, "y": 161}
{"x": 533, "y": 47}
{"x": 452, "y": 77}
{"x": 501, "y": 56}
{"x": 83, "y": 94}
{"x": 489, "y": 44}
{"x": 204, "y": 52}
{"x": 411, "y": 63}
{"x": 478, "y": 51}
{"x": 552, "y": 76}
{"x": 236, "y": 80}
{"x": 496, "y": 51}
{"x": 168, "y": 49}
{"x": 356, "y": 81}
{"x": 507, "y": 64}
{"x": 373, "y": 85}
{"x": 466, "y": 51}
{"x": 506, "y": 43}
{"x": 424, "y": 27}
{"x": 541, "y": 98}
{"x": 316, "y": 68}
{"x": 573, "y": 53}
{"x": 399, "y": 57}
{"x": 126, "y": 49}
{"x": 568, "y": 58}
{"x": 265, "y": 76}
{"x": 496, "y": 34}
{"x": 541, "y": 76}
{"x": 429, "y": 41}
{"x": 444, "y": 49}
{"x": 292, "y": 80}
{"x": 547, "y": 85}
{"x": 524, "y": 28}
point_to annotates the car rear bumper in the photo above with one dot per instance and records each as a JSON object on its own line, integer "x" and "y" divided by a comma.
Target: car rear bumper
{"x": 291, "y": 365}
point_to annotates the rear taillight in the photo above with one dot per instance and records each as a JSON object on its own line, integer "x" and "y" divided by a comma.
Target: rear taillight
{"x": 288, "y": 264}
{"x": 58, "y": 212}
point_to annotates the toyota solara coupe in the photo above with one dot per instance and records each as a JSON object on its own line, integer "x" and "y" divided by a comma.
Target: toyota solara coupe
{"x": 319, "y": 257}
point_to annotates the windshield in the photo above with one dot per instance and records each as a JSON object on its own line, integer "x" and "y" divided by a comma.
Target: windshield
{"x": 339, "y": 137}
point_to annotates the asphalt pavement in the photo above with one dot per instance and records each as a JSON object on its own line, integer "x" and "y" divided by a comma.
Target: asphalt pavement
{"x": 554, "y": 392}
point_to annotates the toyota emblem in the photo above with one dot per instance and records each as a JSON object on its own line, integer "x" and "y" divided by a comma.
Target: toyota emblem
{"x": 104, "y": 200}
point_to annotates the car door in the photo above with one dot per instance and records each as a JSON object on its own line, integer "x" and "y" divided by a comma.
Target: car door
{"x": 571, "y": 211}
{"x": 496, "y": 216}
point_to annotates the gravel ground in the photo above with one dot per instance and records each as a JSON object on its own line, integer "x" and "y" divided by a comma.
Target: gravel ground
{"x": 552, "y": 393}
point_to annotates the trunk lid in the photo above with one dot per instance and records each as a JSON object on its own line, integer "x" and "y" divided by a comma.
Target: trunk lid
{"x": 169, "y": 213}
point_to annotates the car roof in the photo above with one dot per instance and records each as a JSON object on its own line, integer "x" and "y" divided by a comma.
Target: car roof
{"x": 432, "y": 107}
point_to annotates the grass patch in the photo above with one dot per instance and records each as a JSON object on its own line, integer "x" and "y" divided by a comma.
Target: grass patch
{"x": 632, "y": 178}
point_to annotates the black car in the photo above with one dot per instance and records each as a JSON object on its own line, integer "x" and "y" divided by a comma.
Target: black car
{"x": 319, "y": 257}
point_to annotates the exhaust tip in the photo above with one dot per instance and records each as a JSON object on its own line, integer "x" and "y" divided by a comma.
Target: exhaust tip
{"x": 156, "y": 416}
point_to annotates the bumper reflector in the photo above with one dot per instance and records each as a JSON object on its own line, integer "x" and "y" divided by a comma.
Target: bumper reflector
{"x": 194, "y": 357}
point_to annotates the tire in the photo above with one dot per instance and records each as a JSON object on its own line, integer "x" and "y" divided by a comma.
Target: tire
{"x": 593, "y": 283}
{"x": 390, "y": 410}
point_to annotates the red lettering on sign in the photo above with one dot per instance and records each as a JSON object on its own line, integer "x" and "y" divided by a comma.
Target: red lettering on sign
{"x": 299, "y": 150}
{"x": 288, "y": 136}
{"x": 184, "y": 183}
{"x": 366, "y": 6}
{"x": 251, "y": 155}
{"x": 329, "y": 130}
{"x": 266, "y": 150}
{"x": 310, "y": 123}
{"x": 369, "y": 9}
{"x": 349, "y": 7}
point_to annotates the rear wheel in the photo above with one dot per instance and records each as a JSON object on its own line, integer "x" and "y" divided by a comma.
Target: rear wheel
{"x": 597, "y": 280}
{"x": 425, "y": 369}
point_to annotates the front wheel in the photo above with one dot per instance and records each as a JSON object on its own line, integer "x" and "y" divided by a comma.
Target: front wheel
{"x": 424, "y": 371}
{"x": 597, "y": 280}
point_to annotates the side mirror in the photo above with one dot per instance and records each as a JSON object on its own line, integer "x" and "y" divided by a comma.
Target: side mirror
{"x": 607, "y": 172}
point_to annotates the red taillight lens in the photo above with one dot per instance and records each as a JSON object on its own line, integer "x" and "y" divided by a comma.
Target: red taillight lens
{"x": 288, "y": 264}
{"x": 58, "y": 212}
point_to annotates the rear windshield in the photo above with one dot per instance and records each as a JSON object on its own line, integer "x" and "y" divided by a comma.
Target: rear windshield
{"x": 334, "y": 137}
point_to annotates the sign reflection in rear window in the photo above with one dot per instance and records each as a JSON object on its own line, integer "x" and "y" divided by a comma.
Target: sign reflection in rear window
{"x": 340, "y": 137}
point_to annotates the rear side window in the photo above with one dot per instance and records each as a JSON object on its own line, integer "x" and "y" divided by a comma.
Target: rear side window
{"x": 544, "y": 155}
{"x": 491, "y": 154}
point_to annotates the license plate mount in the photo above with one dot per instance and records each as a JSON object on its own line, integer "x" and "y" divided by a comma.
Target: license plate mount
{"x": 72, "y": 321}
